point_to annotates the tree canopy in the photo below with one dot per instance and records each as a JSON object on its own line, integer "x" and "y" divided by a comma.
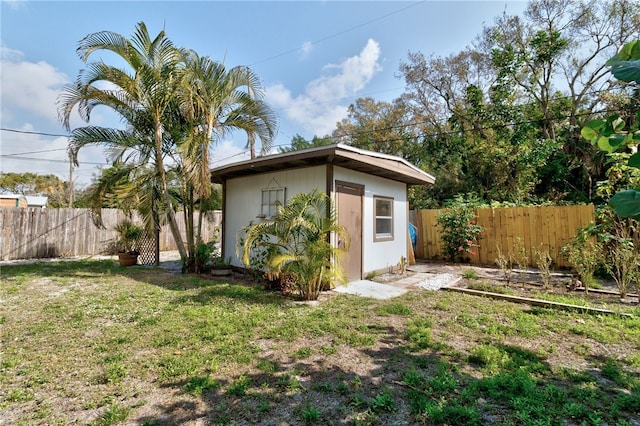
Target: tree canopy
{"x": 174, "y": 104}
{"x": 500, "y": 120}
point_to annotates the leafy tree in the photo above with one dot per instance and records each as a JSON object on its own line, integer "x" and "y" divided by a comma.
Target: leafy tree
{"x": 298, "y": 143}
{"x": 50, "y": 186}
{"x": 298, "y": 243}
{"x": 554, "y": 57}
{"x": 376, "y": 126}
{"x": 502, "y": 117}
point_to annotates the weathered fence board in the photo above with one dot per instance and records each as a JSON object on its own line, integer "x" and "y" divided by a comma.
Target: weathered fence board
{"x": 542, "y": 228}
{"x": 27, "y": 233}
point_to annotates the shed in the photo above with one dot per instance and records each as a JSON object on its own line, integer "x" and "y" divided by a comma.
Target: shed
{"x": 13, "y": 200}
{"x": 369, "y": 189}
{"x": 36, "y": 201}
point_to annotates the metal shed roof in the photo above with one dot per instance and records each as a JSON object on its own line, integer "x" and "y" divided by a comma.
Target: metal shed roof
{"x": 373, "y": 163}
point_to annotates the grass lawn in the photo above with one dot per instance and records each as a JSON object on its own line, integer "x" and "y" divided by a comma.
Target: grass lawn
{"x": 89, "y": 342}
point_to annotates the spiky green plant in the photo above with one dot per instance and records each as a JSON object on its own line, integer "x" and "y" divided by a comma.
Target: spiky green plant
{"x": 298, "y": 243}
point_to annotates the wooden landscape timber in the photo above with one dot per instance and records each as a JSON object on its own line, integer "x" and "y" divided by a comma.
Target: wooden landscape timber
{"x": 536, "y": 302}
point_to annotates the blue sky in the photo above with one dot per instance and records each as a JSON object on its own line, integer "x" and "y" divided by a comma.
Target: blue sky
{"x": 314, "y": 59}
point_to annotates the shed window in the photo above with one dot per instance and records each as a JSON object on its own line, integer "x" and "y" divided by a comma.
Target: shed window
{"x": 271, "y": 198}
{"x": 383, "y": 210}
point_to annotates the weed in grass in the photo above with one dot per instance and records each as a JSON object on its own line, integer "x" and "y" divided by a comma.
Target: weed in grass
{"x": 442, "y": 305}
{"x": 240, "y": 386}
{"x": 20, "y": 395}
{"x": 394, "y": 309}
{"x": 413, "y": 378}
{"x": 289, "y": 383}
{"x": 114, "y": 372}
{"x": 384, "y": 401}
{"x": 419, "y": 333}
{"x": 612, "y": 371}
{"x": 7, "y": 362}
{"x": 264, "y": 406}
{"x": 177, "y": 366}
{"x": 628, "y": 402}
{"x": 356, "y": 382}
{"x": 470, "y": 274}
{"x": 343, "y": 388}
{"x": 302, "y": 353}
{"x": 633, "y": 360}
{"x": 328, "y": 350}
{"x": 431, "y": 412}
{"x": 325, "y": 387}
{"x": 358, "y": 401}
{"x": 310, "y": 414}
{"x": 199, "y": 385}
{"x": 267, "y": 366}
{"x": 582, "y": 349}
{"x": 489, "y": 357}
{"x": 444, "y": 383}
{"x": 114, "y": 414}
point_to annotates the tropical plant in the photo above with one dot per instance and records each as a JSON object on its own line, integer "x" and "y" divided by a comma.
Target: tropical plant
{"x": 460, "y": 232}
{"x": 128, "y": 235}
{"x": 214, "y": 103}
{"x": 614, "y": 133}
{"x": 298, "y": 244}
{"x": 142, "y": 95}
{"x": 174, "y": 104}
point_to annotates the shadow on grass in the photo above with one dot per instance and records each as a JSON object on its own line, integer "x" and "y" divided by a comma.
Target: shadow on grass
{"x": 408, "y": 381}
{"x": 199, "y": 289}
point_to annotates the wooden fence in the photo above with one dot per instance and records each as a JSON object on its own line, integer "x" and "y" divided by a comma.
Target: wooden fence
{"x": 27, "y": 233}
{"x": 544, "y": 228}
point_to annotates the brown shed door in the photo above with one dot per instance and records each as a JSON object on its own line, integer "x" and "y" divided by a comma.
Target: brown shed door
{"x": 349, "y": 205}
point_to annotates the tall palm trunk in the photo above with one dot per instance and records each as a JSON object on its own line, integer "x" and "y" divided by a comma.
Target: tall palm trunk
{"x": 173, "y": 224}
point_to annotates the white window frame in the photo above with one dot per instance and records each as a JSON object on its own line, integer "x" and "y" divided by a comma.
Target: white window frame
{"x": 379, "y": 217}
{"x": 270, "y": 198}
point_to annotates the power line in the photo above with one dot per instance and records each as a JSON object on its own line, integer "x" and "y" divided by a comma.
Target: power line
{"x": 35, "y": 152}
{"x": 28, "y": 132}
{"x": 278, "y": 55}
{"x": 50, "y": 160}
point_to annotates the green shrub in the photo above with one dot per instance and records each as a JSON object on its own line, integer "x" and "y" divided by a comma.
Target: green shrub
{"x": 459, "y": 231}
{"x": 295, "y": 244}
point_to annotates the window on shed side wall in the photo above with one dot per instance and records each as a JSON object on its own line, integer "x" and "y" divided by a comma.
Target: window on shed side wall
{"x": 271, "y": 198}
{"x": 383, "y": 224}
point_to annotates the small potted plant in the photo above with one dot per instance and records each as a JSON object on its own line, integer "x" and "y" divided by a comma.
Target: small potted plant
{"x": 128, "y": 235}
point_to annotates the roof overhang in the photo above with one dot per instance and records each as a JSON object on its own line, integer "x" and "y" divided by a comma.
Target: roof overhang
{"x": 373, "y": 163}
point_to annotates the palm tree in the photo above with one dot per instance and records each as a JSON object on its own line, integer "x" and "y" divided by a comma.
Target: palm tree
{"x": 143, "y": 96}
{"x": 297, "y": 242}
{"x": 214, "y": 104}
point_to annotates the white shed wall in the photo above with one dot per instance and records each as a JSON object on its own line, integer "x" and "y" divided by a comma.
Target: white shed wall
{"x": 244, "y": 199}
{"x": 380, "y": 254}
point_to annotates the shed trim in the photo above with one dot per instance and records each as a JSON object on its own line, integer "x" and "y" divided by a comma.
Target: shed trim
{"x": 374, "y": 163}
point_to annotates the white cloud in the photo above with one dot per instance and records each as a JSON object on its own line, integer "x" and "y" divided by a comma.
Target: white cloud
{"x": 319, "y": 108}
{"x": 306, "y": 49}
{"x": 29, "y": 86}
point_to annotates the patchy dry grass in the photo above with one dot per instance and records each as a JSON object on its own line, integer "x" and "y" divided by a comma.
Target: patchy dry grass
{"x": 92, "y": 343}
